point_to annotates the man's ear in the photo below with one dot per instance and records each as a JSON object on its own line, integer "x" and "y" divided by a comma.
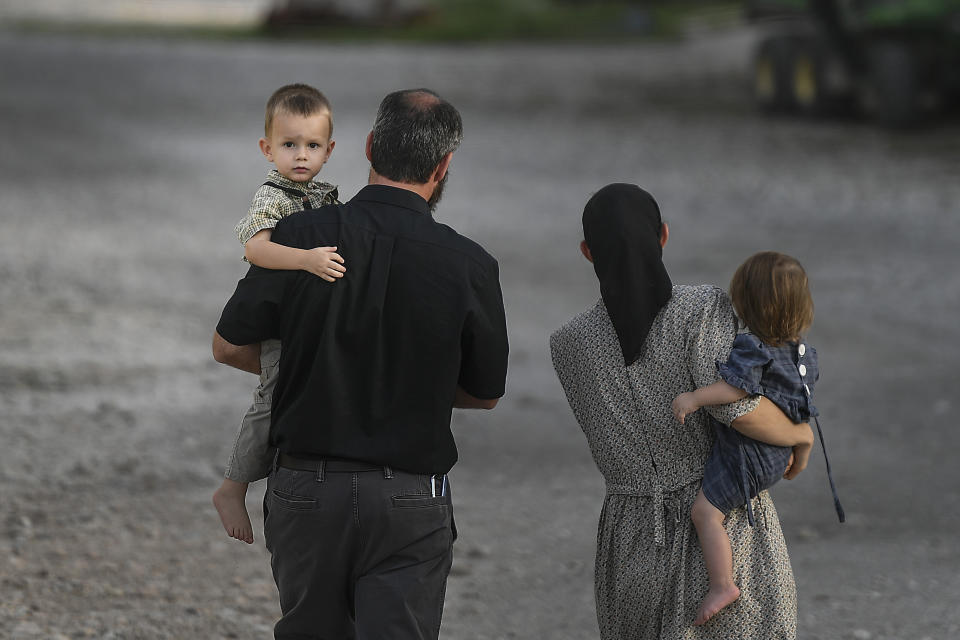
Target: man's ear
{"x": 369, "y": 146}
{"x": 441, "y": 169}
{"x": 265, "y": 149}
{"x": 664, "y": 235}
{"x": 585, "y": 250}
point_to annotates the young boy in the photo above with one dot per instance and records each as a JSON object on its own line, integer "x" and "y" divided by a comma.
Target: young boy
{"x": 297, "y": 130}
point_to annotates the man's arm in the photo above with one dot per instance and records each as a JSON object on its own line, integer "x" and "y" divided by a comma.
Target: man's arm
{"x": 243, "y": 357}
{"x": 464, "y": 400}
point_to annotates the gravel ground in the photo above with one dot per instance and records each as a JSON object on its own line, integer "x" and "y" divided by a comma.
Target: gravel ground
{"x": 126, "y": 164}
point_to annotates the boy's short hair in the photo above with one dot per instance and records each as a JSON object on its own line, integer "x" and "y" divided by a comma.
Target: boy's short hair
{"x": 771, "y": 295}
{"x": 298, "y": 99}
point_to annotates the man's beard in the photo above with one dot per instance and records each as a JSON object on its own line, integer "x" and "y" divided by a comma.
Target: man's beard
{"x": 437, "y": 193}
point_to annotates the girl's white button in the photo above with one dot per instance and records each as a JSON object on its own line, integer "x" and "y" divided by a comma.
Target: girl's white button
{"x": 802, "y": 349}
{"x": 803, "y": 370}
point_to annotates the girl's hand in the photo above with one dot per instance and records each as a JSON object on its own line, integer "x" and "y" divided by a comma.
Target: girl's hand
{"x": 684, "y": 404}
{"x": 324, "y": 262}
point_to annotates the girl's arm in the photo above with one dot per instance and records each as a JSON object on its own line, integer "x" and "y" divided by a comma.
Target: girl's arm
{"x": 321, "y": 261}
{"x": 713, "y": 394}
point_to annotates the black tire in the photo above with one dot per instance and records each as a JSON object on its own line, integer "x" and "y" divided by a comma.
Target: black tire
{"x": 893, "y": 87}
{"x": 771, "y": 75}
{"x": 820, "y": 80}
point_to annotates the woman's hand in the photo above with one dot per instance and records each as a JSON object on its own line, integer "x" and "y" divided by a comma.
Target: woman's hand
{"x": 798, "y": 460}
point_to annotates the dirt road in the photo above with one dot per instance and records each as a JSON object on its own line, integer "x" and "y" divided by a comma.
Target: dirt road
{"x": 125, "y": 165}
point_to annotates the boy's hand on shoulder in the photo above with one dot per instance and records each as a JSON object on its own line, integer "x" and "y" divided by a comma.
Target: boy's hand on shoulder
{"x": 324, "y": 262}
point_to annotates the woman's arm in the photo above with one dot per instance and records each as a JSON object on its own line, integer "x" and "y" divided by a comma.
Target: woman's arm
{"x": 321, "y": 261}
{"x": 768, "y": 424}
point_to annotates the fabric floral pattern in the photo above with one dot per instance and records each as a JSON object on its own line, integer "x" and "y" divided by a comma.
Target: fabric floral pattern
{"x": 650, "y": 575}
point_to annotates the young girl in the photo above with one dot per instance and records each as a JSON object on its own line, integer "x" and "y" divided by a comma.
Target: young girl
{"x": 770, "y": 294}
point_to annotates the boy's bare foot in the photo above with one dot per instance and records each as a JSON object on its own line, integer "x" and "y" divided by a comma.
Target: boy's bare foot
{"x": 230, "y": 504}
{"x": 714, "y": 601}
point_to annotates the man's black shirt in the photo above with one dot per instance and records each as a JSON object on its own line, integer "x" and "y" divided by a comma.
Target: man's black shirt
{"x": 370, "y": 363}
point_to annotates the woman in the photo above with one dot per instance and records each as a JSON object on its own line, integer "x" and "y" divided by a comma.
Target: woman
{"x": 621, "y": 363}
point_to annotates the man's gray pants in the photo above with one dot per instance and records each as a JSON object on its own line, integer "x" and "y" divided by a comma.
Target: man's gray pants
{"x": 358, "y": 551}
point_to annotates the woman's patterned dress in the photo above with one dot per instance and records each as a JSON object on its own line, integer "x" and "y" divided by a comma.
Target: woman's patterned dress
{"x": 650, "y": 576}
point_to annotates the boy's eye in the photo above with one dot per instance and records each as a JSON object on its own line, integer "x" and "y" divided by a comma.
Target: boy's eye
{"x": 314, "y": 145}
{"x": 288, "y": 145}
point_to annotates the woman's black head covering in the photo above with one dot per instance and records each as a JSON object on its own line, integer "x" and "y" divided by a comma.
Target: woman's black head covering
{"x": 621, "y": 225}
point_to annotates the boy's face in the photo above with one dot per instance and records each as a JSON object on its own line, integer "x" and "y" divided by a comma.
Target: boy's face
{"x": 298, "y": 145}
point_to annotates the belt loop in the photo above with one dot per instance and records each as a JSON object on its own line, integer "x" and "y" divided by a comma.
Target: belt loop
{"x": 320, "y": 470}
{"x": 276, "y": 460}
{"x": 387, "y": 473}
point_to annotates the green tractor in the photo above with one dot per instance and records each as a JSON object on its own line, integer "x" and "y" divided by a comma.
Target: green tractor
{"x": 897, "y": 61}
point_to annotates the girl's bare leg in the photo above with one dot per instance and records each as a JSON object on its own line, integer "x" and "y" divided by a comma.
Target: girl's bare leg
{"x": 718, "y": 557}
{"x": 230, "y": 502}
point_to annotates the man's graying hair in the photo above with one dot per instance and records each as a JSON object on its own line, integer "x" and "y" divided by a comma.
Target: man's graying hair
{"x": 415, "y": 128}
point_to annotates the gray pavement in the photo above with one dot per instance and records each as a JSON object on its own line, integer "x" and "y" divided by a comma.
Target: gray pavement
{"x": 126, "y": 163}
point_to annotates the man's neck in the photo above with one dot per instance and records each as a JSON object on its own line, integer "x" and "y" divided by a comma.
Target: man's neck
{"x": 422, "y": 190}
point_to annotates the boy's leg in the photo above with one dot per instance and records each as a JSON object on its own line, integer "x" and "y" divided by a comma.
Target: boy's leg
{"x": 252, "y": 456}
{"x": 718, "y": 557}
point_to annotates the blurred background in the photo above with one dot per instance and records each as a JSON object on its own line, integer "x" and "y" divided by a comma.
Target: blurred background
{"x": 826, "y": 130}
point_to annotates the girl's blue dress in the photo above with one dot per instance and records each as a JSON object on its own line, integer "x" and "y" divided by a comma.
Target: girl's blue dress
{"x": 739, "y": 466}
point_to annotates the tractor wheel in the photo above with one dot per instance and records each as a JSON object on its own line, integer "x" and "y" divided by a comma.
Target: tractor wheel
{"x": 892, "y": 91}
{"x": 819, "y": 80}
{"x": 771, "y": 75}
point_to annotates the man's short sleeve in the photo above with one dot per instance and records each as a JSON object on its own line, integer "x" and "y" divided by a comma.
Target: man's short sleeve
{"x": 253, "y": 312}
{"x": 484, "y": 345}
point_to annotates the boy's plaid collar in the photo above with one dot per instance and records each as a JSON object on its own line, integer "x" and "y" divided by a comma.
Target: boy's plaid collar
{"x": 277, "y": 178}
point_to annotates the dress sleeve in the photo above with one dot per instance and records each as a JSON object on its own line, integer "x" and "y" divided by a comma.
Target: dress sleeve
{"x": 745, "y": 366}
{"x": 711, "y": 336}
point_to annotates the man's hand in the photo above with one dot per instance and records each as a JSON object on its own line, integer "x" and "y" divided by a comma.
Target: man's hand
{"x": 324, "y": 262}
{"x": 463, "y": 400}
{"x": 684, "y": 404}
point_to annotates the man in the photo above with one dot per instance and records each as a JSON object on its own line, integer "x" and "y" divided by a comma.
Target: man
{"x": 357, "y": 513}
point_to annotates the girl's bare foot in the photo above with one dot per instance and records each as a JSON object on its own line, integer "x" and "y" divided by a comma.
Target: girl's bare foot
{"x": 232, "y": 508}
{"x": 715, "y": 600}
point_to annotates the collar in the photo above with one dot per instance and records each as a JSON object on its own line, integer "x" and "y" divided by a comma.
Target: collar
{"x": 278, "y": 178}
{"x": 394, "y": 196}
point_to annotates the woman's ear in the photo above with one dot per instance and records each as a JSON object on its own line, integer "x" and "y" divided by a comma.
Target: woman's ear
{"x": 664, "y": 234}
{"x": 585, "y": 250}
